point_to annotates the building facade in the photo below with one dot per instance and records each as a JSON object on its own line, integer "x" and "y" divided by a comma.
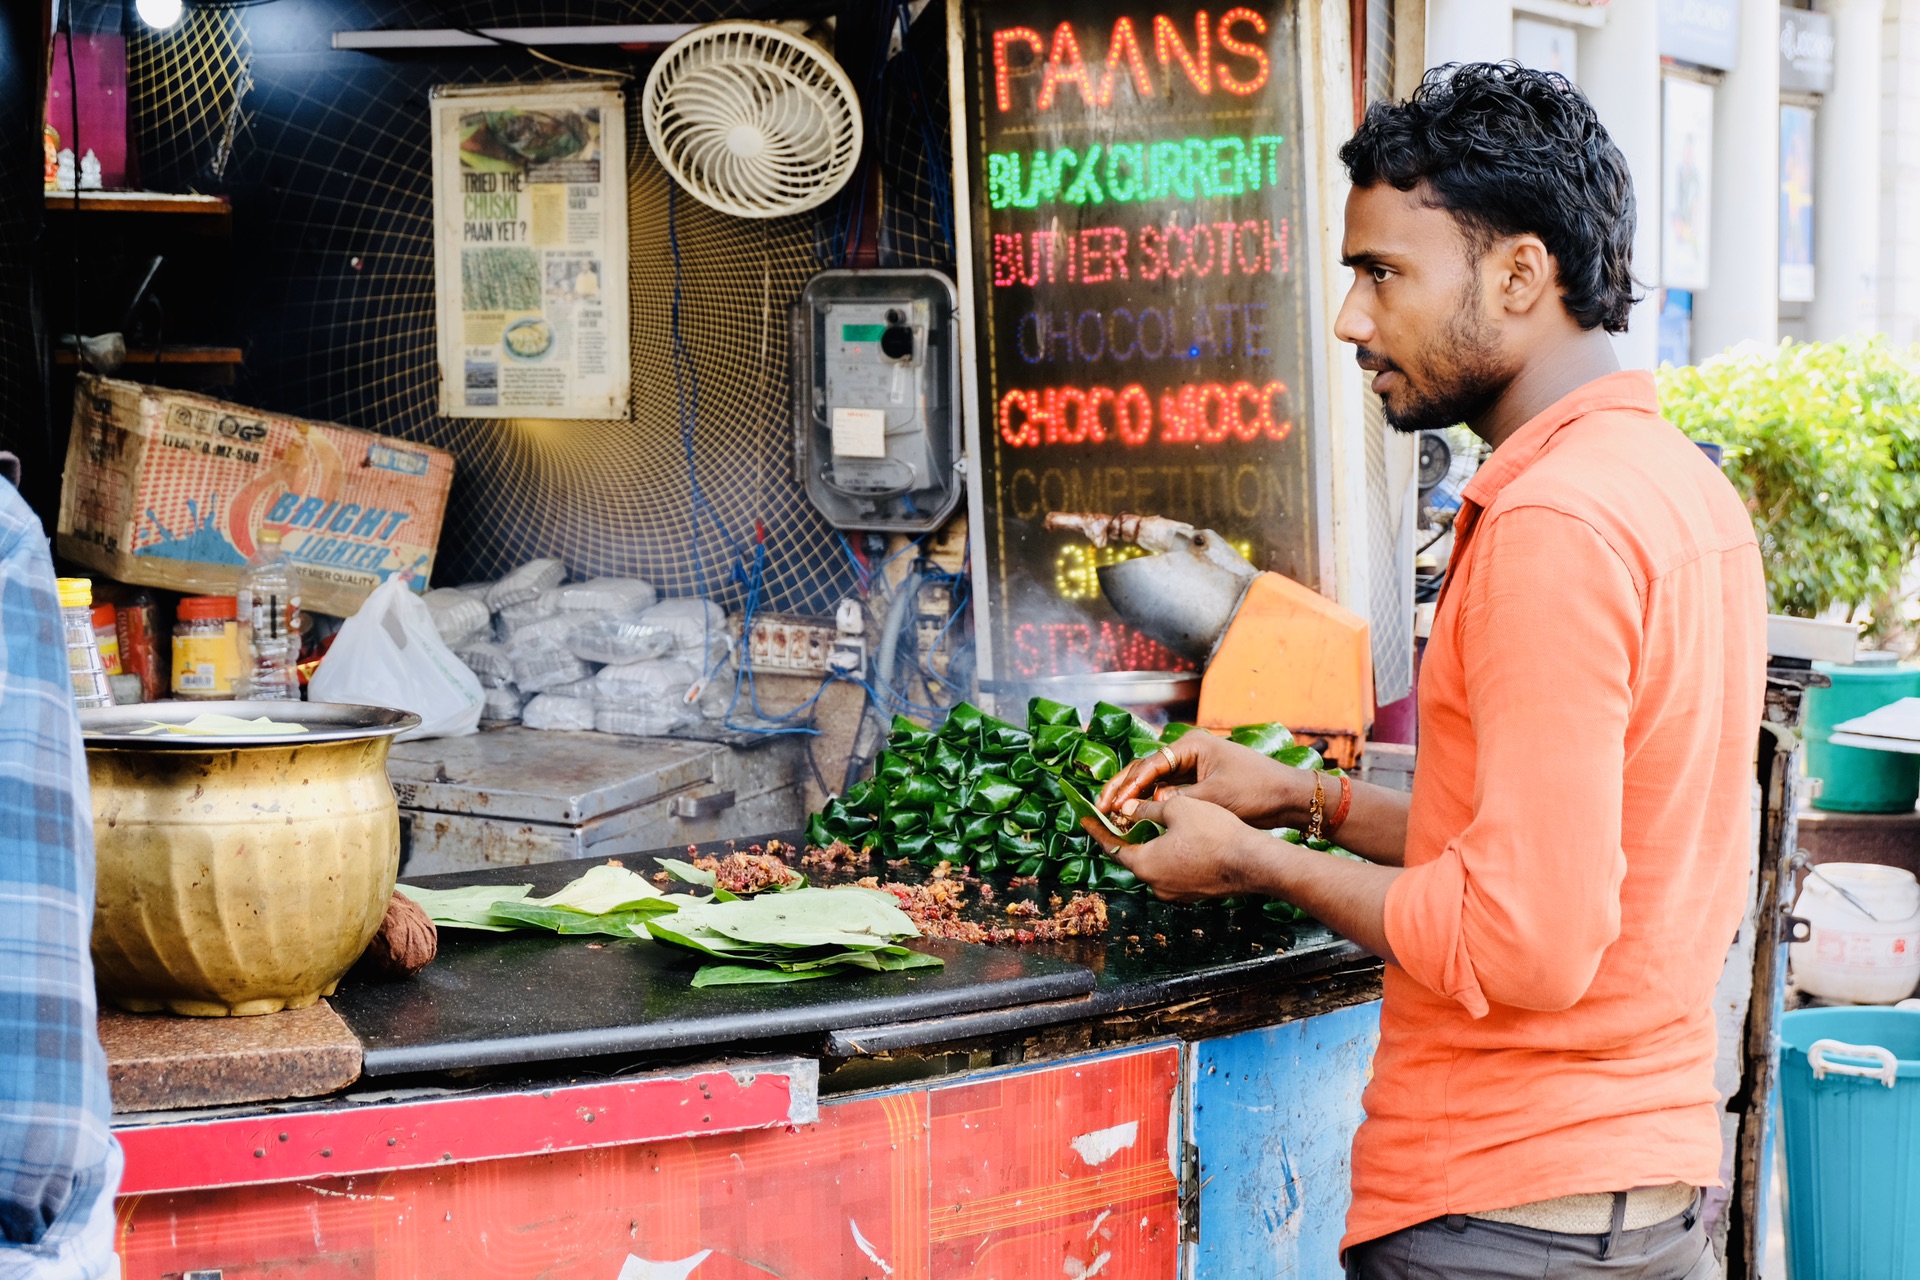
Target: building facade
{"x": 1775, "y": 152}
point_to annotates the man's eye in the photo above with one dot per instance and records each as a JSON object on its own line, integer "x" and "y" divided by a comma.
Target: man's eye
{"x": 1379, "y": 275}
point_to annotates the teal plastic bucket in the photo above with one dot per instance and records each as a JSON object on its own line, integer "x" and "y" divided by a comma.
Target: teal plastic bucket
{"x": 1853, "y": 779}
{"x": 1853, "y": 1142}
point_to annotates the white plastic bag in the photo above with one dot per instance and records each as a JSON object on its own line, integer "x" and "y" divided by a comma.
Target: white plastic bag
{"x": 504, "y": 703}
{"x": 612, "y": 638}
{"x": 515, "y": 618}
{"x": 699, "y": 628}
{"x": 540, "y": 671}
{"x": 654, "y": 722}
{"x": 549, "y": 711}
{"x": 628, "y": 686}
{"x": 489, "y": 662}
{"x": 390, "y": 655}
{"x": 458, "y": 617}
{"x": 525, "y": 583}
{"x": 605, "y": 595}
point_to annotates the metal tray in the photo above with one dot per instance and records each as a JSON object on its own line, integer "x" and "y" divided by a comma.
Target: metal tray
{"x": 325, "y": 722}
{"x": 1122, "y": 688}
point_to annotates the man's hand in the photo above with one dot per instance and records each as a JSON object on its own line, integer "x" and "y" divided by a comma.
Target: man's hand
{"x": 1238, "y": 779}
{"x": 1206, "y": 852}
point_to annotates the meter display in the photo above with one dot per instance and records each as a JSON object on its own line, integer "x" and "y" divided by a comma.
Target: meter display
{"x": 875, "y": 388}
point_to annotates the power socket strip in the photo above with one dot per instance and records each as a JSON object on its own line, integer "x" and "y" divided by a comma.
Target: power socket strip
{"x": 791, "y": 645}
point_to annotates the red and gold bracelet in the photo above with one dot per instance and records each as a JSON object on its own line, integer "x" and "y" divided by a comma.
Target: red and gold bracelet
{"x": 1345, "y": 806}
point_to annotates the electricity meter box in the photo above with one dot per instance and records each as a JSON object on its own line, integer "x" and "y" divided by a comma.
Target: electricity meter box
{"x": 876, "y": 384}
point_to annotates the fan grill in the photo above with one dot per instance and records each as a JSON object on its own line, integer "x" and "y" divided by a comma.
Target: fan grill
{"x": 752, "y": 120}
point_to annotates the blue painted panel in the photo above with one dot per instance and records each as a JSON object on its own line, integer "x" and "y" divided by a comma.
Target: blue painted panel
{"x": 1274, "y": 1112}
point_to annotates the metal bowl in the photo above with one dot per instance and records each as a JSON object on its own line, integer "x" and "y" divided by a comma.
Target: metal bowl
{"x": 1122, "y": 688}
{"x": 241, "y": 874}
{"x": 324, "y": 721}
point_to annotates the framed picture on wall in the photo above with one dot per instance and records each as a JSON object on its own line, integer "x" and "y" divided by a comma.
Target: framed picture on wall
{"x": 530, "y": 250}
{"x": 1547, "y": 46}
{"x": 1686, "y": 183}
{"x": 1796, "y": 204}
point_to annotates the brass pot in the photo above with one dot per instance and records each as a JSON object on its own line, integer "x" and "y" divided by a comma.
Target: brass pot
{"x": 238, "y": 875}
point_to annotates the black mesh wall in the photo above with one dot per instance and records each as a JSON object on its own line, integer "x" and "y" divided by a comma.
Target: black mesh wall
{"x": 328, "y": 168}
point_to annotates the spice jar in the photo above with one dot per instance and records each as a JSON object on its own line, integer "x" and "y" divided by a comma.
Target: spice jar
{"x": 142, "y": 647}
{"x": 106, "y": 635}
{"x": 206, "y": 649}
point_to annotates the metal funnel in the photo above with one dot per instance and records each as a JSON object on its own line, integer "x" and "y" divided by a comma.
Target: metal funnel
{"x": 1183, "y": 597}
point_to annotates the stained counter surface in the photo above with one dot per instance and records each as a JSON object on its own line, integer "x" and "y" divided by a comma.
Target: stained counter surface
{"x": 492, "y": 999}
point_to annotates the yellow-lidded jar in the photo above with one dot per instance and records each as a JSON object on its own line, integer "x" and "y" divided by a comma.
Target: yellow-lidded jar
{"x": 89, "y": 672}
{"x": 206, "y": 649}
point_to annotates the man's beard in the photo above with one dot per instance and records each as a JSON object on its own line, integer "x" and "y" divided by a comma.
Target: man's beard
{"x": 1465, "y": 390}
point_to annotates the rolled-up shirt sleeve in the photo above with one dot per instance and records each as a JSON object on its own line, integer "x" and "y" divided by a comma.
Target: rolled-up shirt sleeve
{"x": 1519, "y": 908}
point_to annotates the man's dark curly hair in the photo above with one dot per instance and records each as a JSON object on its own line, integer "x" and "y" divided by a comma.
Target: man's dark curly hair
{"x": 1510, "y": 151}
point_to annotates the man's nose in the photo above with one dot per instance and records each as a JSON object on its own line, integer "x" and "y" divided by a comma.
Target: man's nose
{"x": 1353, "y": 324}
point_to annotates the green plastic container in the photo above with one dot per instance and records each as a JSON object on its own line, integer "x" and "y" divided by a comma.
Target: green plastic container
{"x": 1853, "y": 1143}
{"x": 1853, "y": 779}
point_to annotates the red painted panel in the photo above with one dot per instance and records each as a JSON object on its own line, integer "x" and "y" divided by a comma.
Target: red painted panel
{"x": 1086, "y": 1185}
{"x": 981, "y": 1178}
{"x": 371, "y": 1139}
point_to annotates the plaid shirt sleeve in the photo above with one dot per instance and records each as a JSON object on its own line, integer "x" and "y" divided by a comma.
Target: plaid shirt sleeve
{"x": 59, "y": 1164}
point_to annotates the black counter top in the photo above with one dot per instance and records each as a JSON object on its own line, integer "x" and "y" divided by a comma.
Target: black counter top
{"x": 528, "y": 997}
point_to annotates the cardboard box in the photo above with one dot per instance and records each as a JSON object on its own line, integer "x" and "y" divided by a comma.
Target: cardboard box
{"x": 169, "y": 489}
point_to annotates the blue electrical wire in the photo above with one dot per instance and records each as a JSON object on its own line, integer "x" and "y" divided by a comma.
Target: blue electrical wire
{"x": 686, "y": 391}
{"x": 931, "y": 140}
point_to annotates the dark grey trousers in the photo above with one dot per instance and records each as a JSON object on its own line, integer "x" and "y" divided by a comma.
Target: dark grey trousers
{"x": 1460, "y": 1248}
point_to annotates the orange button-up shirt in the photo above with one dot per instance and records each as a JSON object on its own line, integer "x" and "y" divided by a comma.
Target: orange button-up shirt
{"x": 1580, "y": 833}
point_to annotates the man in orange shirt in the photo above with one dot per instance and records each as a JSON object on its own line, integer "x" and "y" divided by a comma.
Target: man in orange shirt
{"x": 1556, "y": 899}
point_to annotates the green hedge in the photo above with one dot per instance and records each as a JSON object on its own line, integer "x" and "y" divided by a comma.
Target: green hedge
{"x": 1823, "y": 441}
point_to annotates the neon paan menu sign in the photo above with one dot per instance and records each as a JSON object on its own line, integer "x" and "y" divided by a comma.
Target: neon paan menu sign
{"x": 1140, "y": 298}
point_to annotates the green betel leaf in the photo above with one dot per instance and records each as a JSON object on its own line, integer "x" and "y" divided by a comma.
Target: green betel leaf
{"x": 1096, "y": 759}
{"x": 963, "y": 724}
{"x": 694, "y": 937}
{"x": 564, "y": 920}
{"x": 920, "y": 792}
{"x": 1176, "y": 731}
{"x": 993, "y": 794}
{"x": 1004, "y": 739}
{"x": 1044, "y": 711}
{"x": 1267, "y": 739}
{"x": 908, "y": 736}
{"x": 1110, "y": 723}
{"x": 601, "y": 890}
{"x": 687, "y": 873}
{"x": 867, "y": 797}
{"x": 746, "y": 975}
{"x": 1299, "y": 757}
{"x": 849, "y": 917}
{"x": 1053, "y": 744}
{"x": 468, "y": 907}
{"x": 946, "y": 761}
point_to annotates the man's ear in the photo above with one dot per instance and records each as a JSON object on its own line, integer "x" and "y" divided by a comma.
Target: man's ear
{"x": 1524, "y": 272}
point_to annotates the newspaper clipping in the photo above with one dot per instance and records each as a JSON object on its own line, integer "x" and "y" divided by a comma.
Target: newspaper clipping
{"x": 530, "y": 256}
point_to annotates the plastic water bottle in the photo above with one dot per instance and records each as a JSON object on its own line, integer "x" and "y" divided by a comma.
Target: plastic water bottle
{"x": 90, "y": 688}
{"x": 269, "y": 603}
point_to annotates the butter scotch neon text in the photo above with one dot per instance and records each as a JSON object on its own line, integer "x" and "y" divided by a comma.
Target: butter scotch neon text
{"x": 1103, "y": 255}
